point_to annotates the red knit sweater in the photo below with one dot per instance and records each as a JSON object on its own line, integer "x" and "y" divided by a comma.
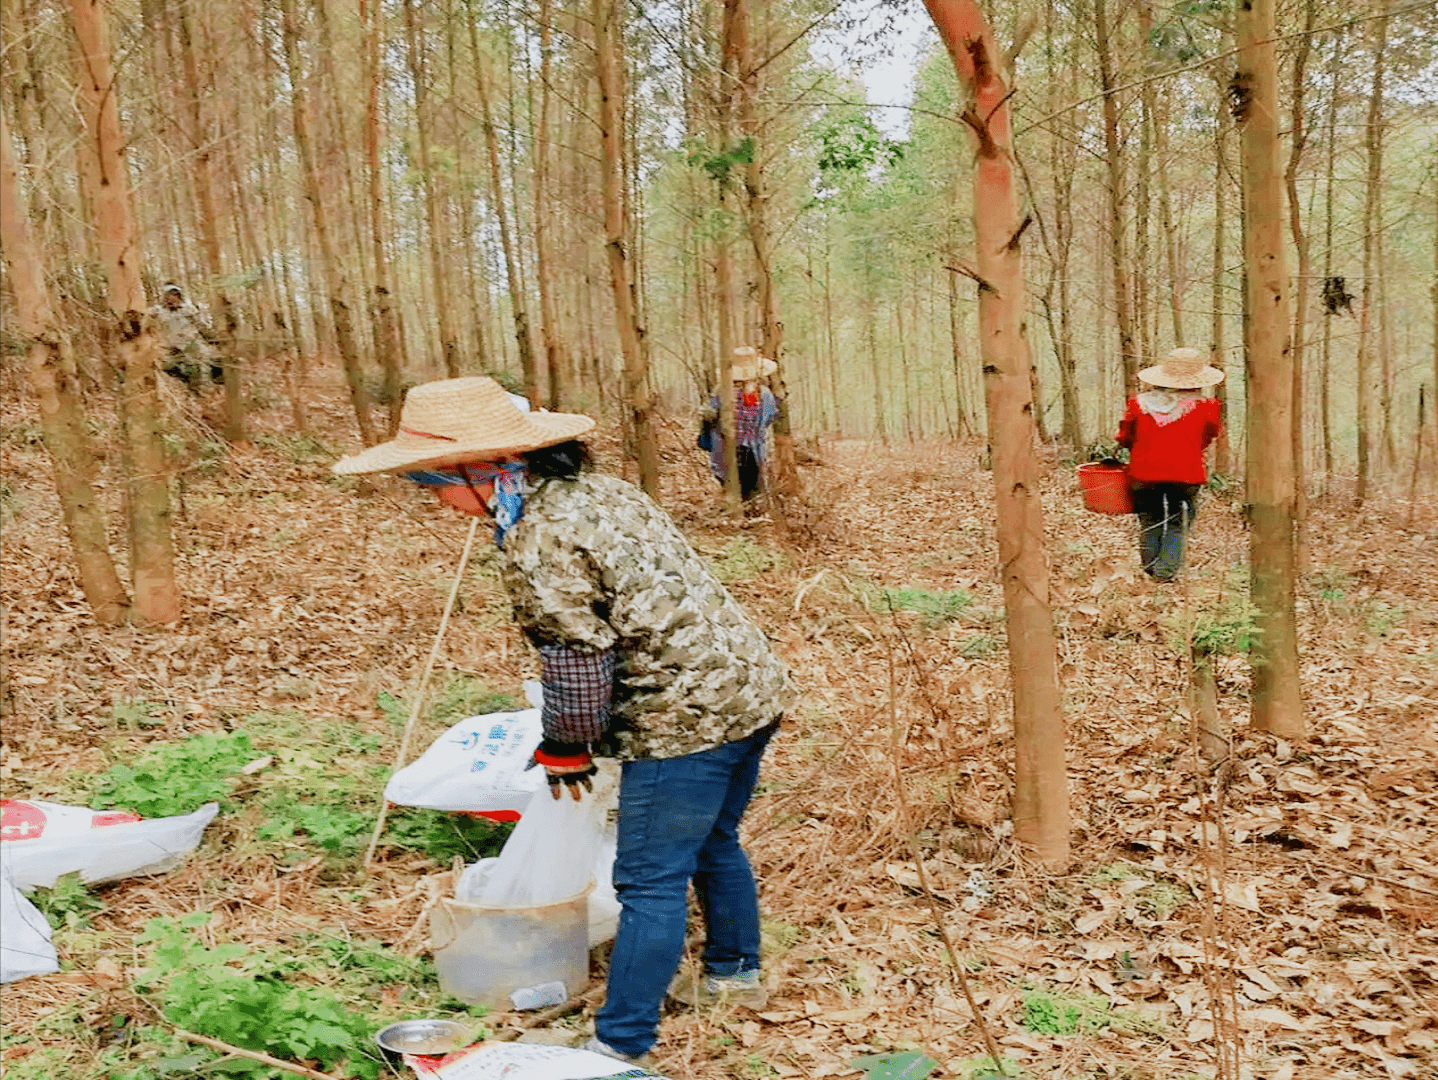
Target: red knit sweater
{"x": 1169, "y": 453}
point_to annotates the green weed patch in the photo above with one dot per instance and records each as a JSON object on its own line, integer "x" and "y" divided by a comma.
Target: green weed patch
{"x": 176, "y": 778}
{"x": 227, "y": 994}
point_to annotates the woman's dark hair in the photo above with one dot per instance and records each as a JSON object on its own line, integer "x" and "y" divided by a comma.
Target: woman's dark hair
{"x": 563, "y": 461}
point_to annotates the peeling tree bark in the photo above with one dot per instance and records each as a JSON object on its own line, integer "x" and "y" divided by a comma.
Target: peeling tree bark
{"x": 136, "y": 348}
{"x": 55, "y": 384}
{"x": 1041, "y": 811}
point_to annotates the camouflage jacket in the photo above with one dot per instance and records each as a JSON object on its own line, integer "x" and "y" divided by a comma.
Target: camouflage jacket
{"x": 595, "y": 564}
{"x": 183, "y": 329}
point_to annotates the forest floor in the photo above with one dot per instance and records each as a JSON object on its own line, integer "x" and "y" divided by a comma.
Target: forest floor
{"x": 311, "y": 603}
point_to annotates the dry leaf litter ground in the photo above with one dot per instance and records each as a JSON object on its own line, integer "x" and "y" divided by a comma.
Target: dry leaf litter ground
{"x": 308, "y": 596}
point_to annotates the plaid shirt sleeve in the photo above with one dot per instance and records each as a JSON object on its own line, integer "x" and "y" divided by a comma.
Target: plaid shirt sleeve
{"x": 577, "y": 690}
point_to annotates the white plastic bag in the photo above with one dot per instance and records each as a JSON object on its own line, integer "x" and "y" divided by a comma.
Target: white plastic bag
{"x": 551, "y": 854}
{"x": 41, "y": 842}
{"x": 25, "y": 945}
{"x": 478, "y": 764}
{"x": 603, "y": 904}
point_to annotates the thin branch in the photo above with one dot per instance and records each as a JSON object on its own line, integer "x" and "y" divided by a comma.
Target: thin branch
{"x": 251, "y": 1055}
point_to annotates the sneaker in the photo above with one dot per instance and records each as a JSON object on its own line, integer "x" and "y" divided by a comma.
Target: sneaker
{"x": 746, "y": 989}
{"x": 595, "y": 1046}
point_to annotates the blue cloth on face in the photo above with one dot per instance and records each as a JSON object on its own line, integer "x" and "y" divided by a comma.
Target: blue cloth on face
{"x": 507, "y": 503}
{"x": 507, "y": 506}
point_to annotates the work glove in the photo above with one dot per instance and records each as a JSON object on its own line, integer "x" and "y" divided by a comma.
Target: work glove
{"x": 568, "y": 764}
{"x": 571, "y": 777}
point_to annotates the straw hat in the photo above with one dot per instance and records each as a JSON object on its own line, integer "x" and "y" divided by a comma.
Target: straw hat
{"x": 454, "y": 420}
{"x": 1182, "y": 369}
{"x": 750, "y": 366}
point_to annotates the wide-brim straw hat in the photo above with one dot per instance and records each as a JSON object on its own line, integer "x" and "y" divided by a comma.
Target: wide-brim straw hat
{"x": 1182, "y": 369}
{"x": 456, "y": 420}
{"x": 749, "y": 365}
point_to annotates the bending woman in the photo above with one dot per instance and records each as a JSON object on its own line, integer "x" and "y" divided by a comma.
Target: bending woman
{"x": 1167, "y": 429}
{"x": 646, "y": 658}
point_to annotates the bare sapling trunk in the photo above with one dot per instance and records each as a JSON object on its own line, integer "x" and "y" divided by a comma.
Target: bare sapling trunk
{"x": 136, "y": 348}
{"x": 725, "y": 107}
{"x": 54, "y": 381}
{"x": 517, "y": 305}
{"x": 1214, "y": 738}
{"x": 434, "y": 211}
{"x": 1117, "y": 228}
{"x": 784, "y": 475}
{"x": 1041, "y": 809}
{"x": 1372, "y": 202}
{"x": 1277, "y": 701}
{"x": 386, "y": 331}
{"x": 202, "y": 173}
{"x": 607, "y": 27}
{"x": 1298, "y": 140}
{"x": 557, "y": 362}
{"x": 331, "y": 266}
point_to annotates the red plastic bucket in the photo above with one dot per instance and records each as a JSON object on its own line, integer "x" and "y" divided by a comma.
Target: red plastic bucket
{"x": 1105, "y": 488}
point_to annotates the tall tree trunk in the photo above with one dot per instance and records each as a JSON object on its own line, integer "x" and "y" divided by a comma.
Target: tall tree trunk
{"x": 1277, "y": 703}
{"x": 147, "y": 491}
{"x": 1117, "y": 229}
{"x": 870, "y": 304}
{"x": 55, "y": 383}
{"x": 1298, "y": 141}
{"x": 1041, "y": 814}
{"x": 225, "y": 322}
{"x": 517, "y": 305}
{"x": 561, "y": 390}
{"x": 1063, "y": 164}
{"x": 608, "y": 25}
{"x": 1170, "y": 238}
{"x": 955, "y": 338}
{"x": 386, "y": 331}
{"x": 331, "y": 265}
{"x": 434, "y": 215}
{"x": 1373, "y": 200}
{"x": 1328, "y": 313}
{"x": 1218, "y": 295}
{"x": 1143, "y": 196}
{"x": 785, "y": 472}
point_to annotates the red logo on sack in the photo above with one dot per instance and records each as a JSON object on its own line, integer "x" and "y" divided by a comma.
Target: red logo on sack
{"x": 20, "y": 820}
{"x": 113, "y": 817}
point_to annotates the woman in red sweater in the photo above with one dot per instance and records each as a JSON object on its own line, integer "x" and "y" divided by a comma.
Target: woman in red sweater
{"x": 1167, "y": 428}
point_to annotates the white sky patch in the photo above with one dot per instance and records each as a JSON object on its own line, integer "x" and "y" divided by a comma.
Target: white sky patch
{"x": 885, "y": 64}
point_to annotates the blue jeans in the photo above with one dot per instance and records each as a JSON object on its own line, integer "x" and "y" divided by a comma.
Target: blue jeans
{"x": 679, "y": 822}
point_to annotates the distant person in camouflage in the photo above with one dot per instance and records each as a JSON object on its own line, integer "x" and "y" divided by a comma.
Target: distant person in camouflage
{"x": 646, "y": 657}
{"x": 189, "y": 356}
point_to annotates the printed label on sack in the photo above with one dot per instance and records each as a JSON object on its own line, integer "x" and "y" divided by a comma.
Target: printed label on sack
{"x": 28, "y": 820}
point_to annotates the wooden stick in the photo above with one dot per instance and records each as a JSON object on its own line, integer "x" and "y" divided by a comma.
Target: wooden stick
{"x": 235, "y": 1051}
{"x": 419, "y": 692}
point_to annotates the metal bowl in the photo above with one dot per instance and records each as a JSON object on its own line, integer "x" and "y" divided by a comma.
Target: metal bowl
{"x": 428, "y": 1037}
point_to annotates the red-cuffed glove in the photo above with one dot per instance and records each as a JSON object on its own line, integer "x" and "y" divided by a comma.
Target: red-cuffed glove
{"x": 568, "y": 764}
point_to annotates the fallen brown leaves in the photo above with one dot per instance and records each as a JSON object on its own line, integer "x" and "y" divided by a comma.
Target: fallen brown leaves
{"x": 309, "y": 595}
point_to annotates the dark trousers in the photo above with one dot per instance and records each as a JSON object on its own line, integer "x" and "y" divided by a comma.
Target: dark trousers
{"x": 749, "y": 473}
{"x": 1165, "y": 514}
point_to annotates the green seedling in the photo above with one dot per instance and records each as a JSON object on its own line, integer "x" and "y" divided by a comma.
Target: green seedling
{"x": 904, "y": 1065}
{"x": 68, "y": 904}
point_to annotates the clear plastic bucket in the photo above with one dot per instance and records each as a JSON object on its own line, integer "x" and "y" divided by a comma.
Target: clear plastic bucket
{"x": 484, "y": 954}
